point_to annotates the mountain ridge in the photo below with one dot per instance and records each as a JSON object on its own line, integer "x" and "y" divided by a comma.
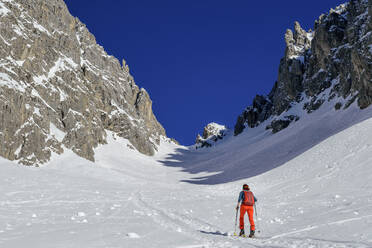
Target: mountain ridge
{"x": 56, "y": 79}
{"x": 335, "y": 55}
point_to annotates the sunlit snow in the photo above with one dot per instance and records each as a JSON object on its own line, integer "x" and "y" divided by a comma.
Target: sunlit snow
{"x": 321, "y": 197}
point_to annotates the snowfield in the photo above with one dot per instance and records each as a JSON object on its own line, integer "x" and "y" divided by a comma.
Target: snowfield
{"x": 316, "y": 195}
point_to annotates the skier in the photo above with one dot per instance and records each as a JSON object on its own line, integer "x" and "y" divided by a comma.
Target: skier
{"x": 248, "y": 200}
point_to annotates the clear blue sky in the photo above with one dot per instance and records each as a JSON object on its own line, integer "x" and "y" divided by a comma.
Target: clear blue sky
{"x": 200, "y": 60}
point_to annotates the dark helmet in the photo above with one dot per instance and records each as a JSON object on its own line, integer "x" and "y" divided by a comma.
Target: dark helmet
{"x": 245, "y": 187}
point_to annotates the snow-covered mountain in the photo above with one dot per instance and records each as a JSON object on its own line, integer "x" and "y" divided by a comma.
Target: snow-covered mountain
{"x": 59, "y": 90}
{"x": 328, "y": 66}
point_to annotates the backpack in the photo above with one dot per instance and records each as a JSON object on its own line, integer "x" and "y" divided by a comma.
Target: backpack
{"x": 248, "y": 198}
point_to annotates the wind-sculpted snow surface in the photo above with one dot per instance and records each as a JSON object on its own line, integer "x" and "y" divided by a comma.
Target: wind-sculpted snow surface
{"x": 321, "y": 198}
{"x": 60, "y": 90}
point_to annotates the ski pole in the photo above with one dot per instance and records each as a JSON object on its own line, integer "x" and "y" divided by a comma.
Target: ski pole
{"x": 236, "y": 219}
{"x": 255, "y": 210}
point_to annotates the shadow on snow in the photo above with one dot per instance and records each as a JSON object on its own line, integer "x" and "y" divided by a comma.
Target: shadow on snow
{"x": 218, "y": 233}
{"x": 255, "y": 151}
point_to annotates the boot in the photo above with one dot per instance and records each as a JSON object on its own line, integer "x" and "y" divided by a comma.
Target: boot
{"x": 242, "y": 233}
{"x": 251, "y": 234}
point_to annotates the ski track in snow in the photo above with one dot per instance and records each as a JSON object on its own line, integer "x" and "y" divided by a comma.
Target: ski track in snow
{"x": 321, "y": 198}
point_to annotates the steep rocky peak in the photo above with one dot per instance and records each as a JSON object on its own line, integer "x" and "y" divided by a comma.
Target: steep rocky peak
{"x": 125, "y": 67}
{"x": 331, "y": 64}
{"x": 297, "y": 42}
{"x": 60, "y": 90}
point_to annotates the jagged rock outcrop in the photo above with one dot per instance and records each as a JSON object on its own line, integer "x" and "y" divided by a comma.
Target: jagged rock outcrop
{"x": 331, "y": 63}
{"x": 59, "y": 89}
{"x": 280, "y": 124}
{"x": 261, "y": 109}
{"x": 212, "y": 133}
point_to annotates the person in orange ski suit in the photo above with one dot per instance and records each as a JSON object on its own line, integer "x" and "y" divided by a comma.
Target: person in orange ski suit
{"x": 247, "y": 200}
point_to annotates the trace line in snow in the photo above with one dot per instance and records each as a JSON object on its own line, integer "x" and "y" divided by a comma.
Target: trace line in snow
{"x": 175, "y": 221}
{"x": 322, "y": 225}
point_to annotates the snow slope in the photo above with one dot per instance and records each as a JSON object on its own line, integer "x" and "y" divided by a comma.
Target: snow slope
{"x": 319, "y": 197}
{"x": 257, "y": 150}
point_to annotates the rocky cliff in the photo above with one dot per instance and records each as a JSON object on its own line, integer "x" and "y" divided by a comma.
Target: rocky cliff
{"x": 60, "y": 90}
{"x": 331, "y": 64}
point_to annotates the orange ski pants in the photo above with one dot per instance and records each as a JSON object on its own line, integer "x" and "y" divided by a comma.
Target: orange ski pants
{"x": 249, "y": 210}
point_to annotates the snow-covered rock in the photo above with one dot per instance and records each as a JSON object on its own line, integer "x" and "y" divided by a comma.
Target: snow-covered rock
{"x": 212, "y": 133}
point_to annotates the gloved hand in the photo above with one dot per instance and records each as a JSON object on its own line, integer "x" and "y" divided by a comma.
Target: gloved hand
{"x": 237, "y": 207}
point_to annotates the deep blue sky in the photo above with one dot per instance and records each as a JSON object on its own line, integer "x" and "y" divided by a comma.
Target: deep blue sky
{"x": 200, "y": 60}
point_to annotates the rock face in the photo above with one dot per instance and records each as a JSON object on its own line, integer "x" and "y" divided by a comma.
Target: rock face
{"x": 332, "y": 62}
{"x": 59, "y": 89}
{"x": 212, "y": 133}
